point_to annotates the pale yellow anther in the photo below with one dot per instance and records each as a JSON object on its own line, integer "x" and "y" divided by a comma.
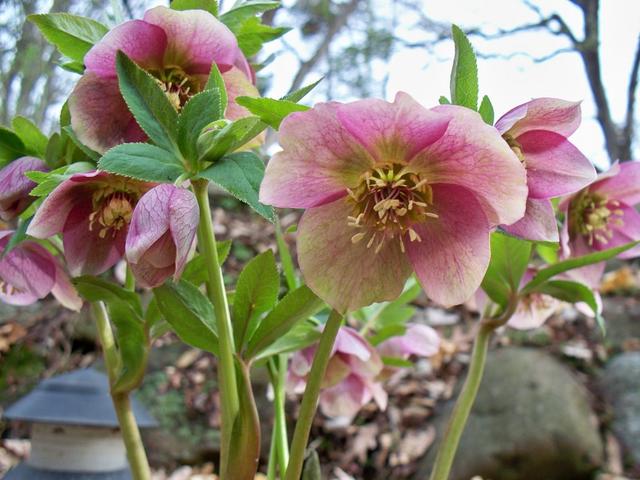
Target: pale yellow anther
{"x": 357, "y": 237}
{"x": 413, "y": 235}
{"x": 371, "y": 240}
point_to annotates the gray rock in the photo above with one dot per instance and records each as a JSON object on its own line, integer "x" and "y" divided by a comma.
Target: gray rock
{"x": 532, "y": 421}
{"x": 620, "y": 383}
{"x": 622, "y": 316}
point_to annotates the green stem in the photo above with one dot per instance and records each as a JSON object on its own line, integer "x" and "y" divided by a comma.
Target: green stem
{"x": 285, "y": 258}
{"x": 310, "y": 397}
{"x": 130, "y": 280}
{"x": 121, "y": 402}
{"x": 273, "y": 454}
{"x": 280, "y": 444}
{"x": 217, "y": 294}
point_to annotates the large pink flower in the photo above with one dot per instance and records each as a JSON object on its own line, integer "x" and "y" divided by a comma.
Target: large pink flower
{"x": 15, "y": 186}
{"x": 161, "y": 234}
{"x": 92, "y": 211}
{"x": 389, "y": 187}
{"x": 537, "y": 132}
{"x": 29, "y": 272}
{"x": 602, "y": 216}
{"x": 350, "y": 381}
{"x": 178, "y": 49}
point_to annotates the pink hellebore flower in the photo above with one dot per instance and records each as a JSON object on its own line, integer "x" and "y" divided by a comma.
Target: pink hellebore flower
{"x": 537, "y": 132}
{"x": 602, "y": 216}
{"x": 15, "y": 186}
{"x": 178, "y": 49}
{"x": 161, "y": 234}
{"x": 391, "y": 187}
{"x": 29, "y": 272}
{"x": 420, "y": 340}
{"x": 350, "y": 380}
{"x": 92, "y": 211}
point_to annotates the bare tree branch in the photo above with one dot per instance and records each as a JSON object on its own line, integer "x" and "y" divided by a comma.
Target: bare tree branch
{"x": 629, "y": 123}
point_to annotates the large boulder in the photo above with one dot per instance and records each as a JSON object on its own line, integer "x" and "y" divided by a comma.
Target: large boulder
{"x": 532, "y": 420}
{"x": 620, "y": 383}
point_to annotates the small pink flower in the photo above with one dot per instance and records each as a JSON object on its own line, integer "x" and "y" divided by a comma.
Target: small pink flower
{"x": 390, "y": 188}
{"x": 161, "y": 234}
{"x": 537, "y": 132}
{"x": 351, "y": 378}
{"x": 15, "y": 186}
{"x": 602, "y": 216}
{"x": 92, "y": 211}
{"x": 420, "y": 340}
{"x": 29, "y": 272}
{"x": 178, "y": 49}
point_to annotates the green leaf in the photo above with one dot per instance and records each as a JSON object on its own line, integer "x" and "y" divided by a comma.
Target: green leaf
{"x": 73, "y": 67}
{"x": 300, "y": 336}
{"x": 72, "y": 35}
{"x": 210, "y": 6}
{"x": 270, "y": 111}
{"x": 572, "y": 263}
{"x": 312, "y": 470}
{"x": 573, "y": 292}
{"x": 256, "y": 293}
{"x": 11, "y": 146}
{"x": 94, "y": 289}
{"x": 240, "y": 174}
{"x": 18, "y": 236}
{"x": 30, "y": 135}
{"x": 196, "y": 270}
{"x": 189, "y": 313}
{"x": 396, "y": 362}
{"x": 235, "y": 17}
{"x": 387, "y": 332}
{"x": 252, "y": 34}
{"x": 548, "y": 253}
{"x": 215, "y": 81}
{"x": 486, "y": 110}
{"x": 93, "y": 155}
{"x": 444, "y": 100}
{"x": 213, "y": 144}
{"x": 509, "y": 260}
{"x": 48, "y": 181}
{"x": 142, "y": 161}
{"x": 148, "y": 103}
{"x": 296, "y": 306}
{"x": 202, "y": 109}
{"x": 301, "y": 93}
{"x": 464, "y": 73}
{"x": 133, "y": 347}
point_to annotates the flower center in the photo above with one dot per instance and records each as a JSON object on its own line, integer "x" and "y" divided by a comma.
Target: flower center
{"x": 6, "y": 288}
{"x": 111, "y": 211}
{"x": 593, "y": 215}
{"x": 388, "y": 201}
{"x": 177, "y": 85}
{"x": 515, "y": 146}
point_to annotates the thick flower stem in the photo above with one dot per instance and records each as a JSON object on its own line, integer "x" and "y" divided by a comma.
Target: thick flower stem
{"x": 217, "y": 294}
{"x": 130, "y": 433}
{"x": 279, "y": 455}
{"x": 310, "y": 397}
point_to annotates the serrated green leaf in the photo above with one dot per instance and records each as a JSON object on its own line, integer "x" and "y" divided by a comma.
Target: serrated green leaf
{"x": 396, "y": 362}
{"x": 11, "y": 146}
{"x": 213, "y": 144}
{"x": 189, "y": 313}
{"x": 215, "y": 81}
{"x": 296, "y": 306}
{"x": 17, "y": 237}
{"x": 301, "y": 93}
{"x": 73, "y": 67}
{"x": 302, "y": 335}
{"x": 387, "y": 332}
{"x": 464, "y": 73}
{"x": 444, "y": 100}
{"x": 31, "y": 136}
{"x": 240, "y": 174}
{"x": 196, "y": 270}
{"x": 148, "y": 103}
{"x": 48, "y": 181}
{"x": 252, "y": 34}
{"x": 143, "y": 162}
{"x": 235, "y": 17}
{"x": 94, "y": 289}
{"x": 256, "y": 293}
{"x": 202, "y": 109}
{"x": 486, "y": 110}
{"x": 72, "y": 35}
{"x": 270, "y": 110}
{"x": 210, "y": 6}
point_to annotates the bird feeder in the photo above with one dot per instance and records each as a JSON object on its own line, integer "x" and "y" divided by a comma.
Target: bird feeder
{"x": 74, "y": 430}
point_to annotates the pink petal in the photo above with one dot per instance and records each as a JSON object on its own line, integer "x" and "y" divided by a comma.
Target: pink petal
{"x": 623, "y": 185}
{"x": 471, "y": 154}
{"x": 64, "y": 291}
{"x": 344, "y": 399}
{"x": 554, "y": 166}
{"x": 195, "y": 39}
{"x": 550, "y": 114}
{"x": 28, "y": 273}
{"x": 337, "y": 371}
{"x": 392, "y": 131}
{"x": 346, "y": 275}
{"x": 538, "y": 224}
{"x": 453, "y": 255}
{"x": 350, "y": 342}
{"x": 149, "y": 222}
{"x": 533, "y": 311}
{"x": 15, "y": 186}
{"x": 626, "y": 233}
{"x": 591, "y": 274}
{"x": 156, "y": 264}
{"x": 319, "y": 162}
{"x": 143, "y": 42}
{"x": 184, "y": 216}
{"x": 419, "y": 339}
{"x": 99, "y": 116}
{"x": 237, "y": 84}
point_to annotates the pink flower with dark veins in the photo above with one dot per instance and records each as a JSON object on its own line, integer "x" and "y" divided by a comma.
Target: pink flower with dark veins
{"x": 163, "y": 228}
{"x": 92, "y": 211}
{"x": 178, "y": 49}
{"x": 15, "y": 186}
{"x": 29, "y": 272}
{"x": 350, "y": 381}
{"x": 393, "y": 187}
{"x": 537, "y": 132}
{"x": 420, "y": 340}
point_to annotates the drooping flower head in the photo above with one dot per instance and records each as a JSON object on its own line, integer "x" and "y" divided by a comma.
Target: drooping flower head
{"x": 161, "y": 234}
{"x": 29, "y": 272}
{"x": 15, "y": 186}
{"x": 420, "y": 340}
{"x": 178, "y": 49}
{"x": 603, "y": 216}
{"x": 350, "y": 381}
{"x": 537, "y": 132}
{"x": 389, "y": 187}
{"x": 92, "y": 211}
